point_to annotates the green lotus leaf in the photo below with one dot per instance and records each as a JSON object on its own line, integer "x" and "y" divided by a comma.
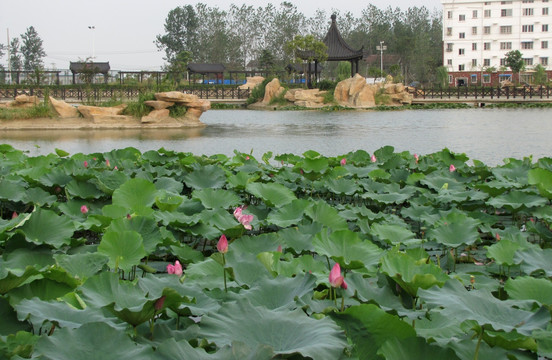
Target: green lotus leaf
{"x": 516, "y": 200}
{"x": 410, "y": 273}
{"x": 115, "y": 211}
{"x": 208, "y": 176}
{"x": 290, "y": 332}
{"x": 534, "y": 259}
{"x": 207, "y": 274}
{"x": 455, "y": 229}
{"x": 219, "y": 218}
{"x": 515, "y": 172}
{"x": 186, "y": 253}
{"x": 171, "y": 349}
{"x": 38, "y": 197}
{"x": 216, "y": 198}
{"x": 348, "y": 249}
{"x": 124, "y": 249}
{"x": 240, "y": 179}
{"x": 341, "y": 186}
{"x": 44, "y": 289}
{"x": 272, "y": 194}
{"x": 109, "y": 181}
{"x": 529, "y": 288}
{"x": 296, "y": 238}
{"x": 503, "y": 252}
{"x": 280, "y": 292}
{"x": 437, "y": 327}
{"x": 369, "y": 327}
{"x": 542, "y": 178}
{"x": 10, "y": 324}
{"x": 60, "y": 313}
{"x": 544, "y": 342}
{"x": 168, "y": 202}
{"x": 135, "y": 194}
{"x": 459, "y": 304}
{"x": 289, "y": 214}
{"x": 392, "y": 234}
{"x": 46, "y": 227}
{"x": 19, "y": 345}
{"x": 168, "y": 184}
{"x": 82, "y": 265}
{"x": 396, "y": 198}
{"x": 83, "y": 190}
{"x": 12, "y": 190}
{"x": 7, "y": 225}
{"x": 326, "y": 215}
{"x": 87, "y": 340}
{"x": 414, "y": 348}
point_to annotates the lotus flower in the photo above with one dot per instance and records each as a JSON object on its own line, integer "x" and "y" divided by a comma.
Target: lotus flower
{"x": 373, "y": 158}
{"x": 336, "y": 280}
{"x": 497, "y": 237}
{"x": 175, "y": 269}
{"x": 244, "y": 219}
{"x": 14, "y": 215}
{"x": 452, "y": 168}
{"x": 159, "y": 303}
{"x": 416, "y": 157}
{"x": 85, "y": 164}
{"x": 107, "y": 163}
{"x": 222, "y": 245}
{"x": 84, "y": 209}
{"x": 343, "y": 162}
{"x": 279, "y": 249}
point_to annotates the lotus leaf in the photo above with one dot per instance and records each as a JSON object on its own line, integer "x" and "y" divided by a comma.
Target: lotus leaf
{"x": 124, "y": 249}
{"x": 208, "y": 176}
{"x": 455, "y": 229}
{"x": 516, "y": 200}
{"x": 289, "y": 214}
{"x": 216, "y": 198}
{"x": 533, "y": 259}
{"x": 136, "y": 195}
{"x": 414, "y": 348}
{"x": 272, "y": 194}
{"x": 391, "y": 233}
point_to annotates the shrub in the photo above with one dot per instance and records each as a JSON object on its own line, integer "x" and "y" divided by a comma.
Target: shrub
{"x": 138, "y": 108}
{"x": 258, "y": 92}
{"x": 327, "y": 85}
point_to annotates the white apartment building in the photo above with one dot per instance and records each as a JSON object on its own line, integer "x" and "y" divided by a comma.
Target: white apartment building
{"x": 478, "y": 34}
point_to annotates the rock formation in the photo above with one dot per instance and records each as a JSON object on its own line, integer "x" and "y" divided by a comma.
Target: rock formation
{"x": 273, "y": 89}
{"x": 355, "y": 92}
{"x": 101, "y": 114}
{"x": 23, "y": 101}
{"x": 311, "y": 98}
{"x": 195, "y": 106}
{"x": 251, "y": 82}
{"x": 63, "y": 109}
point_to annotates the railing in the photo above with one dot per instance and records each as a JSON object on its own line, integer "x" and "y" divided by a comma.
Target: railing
{"x": 464, "y": 92}
{"x": 101, "y": 94}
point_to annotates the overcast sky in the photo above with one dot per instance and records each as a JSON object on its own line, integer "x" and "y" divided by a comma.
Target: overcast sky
{"x": 125, "y": 30}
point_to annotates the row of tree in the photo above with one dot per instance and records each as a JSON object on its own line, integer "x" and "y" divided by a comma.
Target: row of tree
{"x": 248, "y": 36}
{"x": 25, "y": 54}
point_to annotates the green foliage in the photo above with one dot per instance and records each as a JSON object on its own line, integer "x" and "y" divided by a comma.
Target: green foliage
{"x": 32, "y": 50}
{"x": 442, "y": 76}
{"x": 343, "y": 70}
{"x": 539, "y": 76}
{"x": 138, "y": 108}
{"x": 307, "y": 48}
{"x": 38, "y": 111}
{"x": 381, "y": 98}
{"x": 258, "y": 92}
{"x": 514, "y": 60}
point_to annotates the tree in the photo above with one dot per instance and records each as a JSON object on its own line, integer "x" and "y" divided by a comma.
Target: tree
{"x": 266, "y": 60}
{"x": 514, "y": 60}
{"x": 32, "y": 50}
{"x": 539, "y": 76}
{"x": 16, "y": 62}
{"x": 247, "y": 26}
{"x": 181, "y": 33}
{"x": 307, "y": 48}
{"x": 179, "y": 66}
{"x": 343, "y": 70}
{"x": 442, "y": 76}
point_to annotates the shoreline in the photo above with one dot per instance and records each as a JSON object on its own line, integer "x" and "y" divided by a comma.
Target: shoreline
{"x": 78, "y": 123}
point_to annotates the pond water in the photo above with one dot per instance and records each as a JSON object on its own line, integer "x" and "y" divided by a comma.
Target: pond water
{"x": 489, "y": 135}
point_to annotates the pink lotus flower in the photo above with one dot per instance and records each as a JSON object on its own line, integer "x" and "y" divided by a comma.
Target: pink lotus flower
{"x": 244, "y": 219}
{"x": 373, "y": 158}
{"x": 416, "y": 157}
{"x": 336, "y": 280}
{"x": 107, "y": 163}
{"x": 14, "y": 215}
{"x": 85, "y": 164}
{"x": 247, "y": 157}
{"x": 279, "y": 249}
{"x": 452, "y": 168}
{"x": 84, "y": 209}
{"x": 497, "y": 237}
{"x": 222, "y": 245}
{"x": 116, "y": 168}
{"x": 175, "y": 269}
{"x": 343, "y": 162}
{"x": 159, "y": 303}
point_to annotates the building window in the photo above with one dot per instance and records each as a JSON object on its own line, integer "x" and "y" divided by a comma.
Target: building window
{"x": 544, "y": 61}
{"x": 461, "y": 17}
{"x": 461, "y": 51}
{"x": 487, "y": 3}
{"x": 487, "y": 13}
{"x": 461, "y": 67}
{"x": 487, "y": 46}
{"x": 486, "y": 62}
{"x": 450, "y": 79}
{"x": 449, "y": 15}
{"x": 486, "y": 30}
{"x": 474, "y": 14}
{"x": 461, "y": 35}
{"x": 473, "y": 78}
{"x": 505, "y": 2}
{"x": 528, "y": 61}
{"x": 474, "y": 46}
{"x": 527, "y": 28}
{"x": 545, "y": 11}
{"x": 503, "y": 62}
{"x": 526, "y": 45}
{"x": 505, "y": 45}
{"x": 474, "y": 30}
{"x": 449, "y": 31}
{"x": 544, "y": 44}
{"x": 474, "y": 62}
{"x": 506, "y": 12}
{"x": 507, "y": 29}
{"x": 527, "y": 12}
{"x": 449, "y": 47}
{"x": 449, "y": 62}
{"x": 544, "y": 27}
{"x": 486, "y": 78}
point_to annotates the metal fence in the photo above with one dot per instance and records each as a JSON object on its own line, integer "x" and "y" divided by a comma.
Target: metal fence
{"x": 463, "y": 92}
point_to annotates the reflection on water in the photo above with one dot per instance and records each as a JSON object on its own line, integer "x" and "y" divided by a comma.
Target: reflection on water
{"x": 489, "y": 135}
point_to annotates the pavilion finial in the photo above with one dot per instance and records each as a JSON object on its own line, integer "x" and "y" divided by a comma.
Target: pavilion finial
{"x": 333, "y": 17}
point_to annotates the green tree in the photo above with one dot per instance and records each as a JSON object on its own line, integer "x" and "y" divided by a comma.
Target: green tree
{"x": 307, "y": 48}
{"x": 539, "y": 76}
{"x": 181, "y": 33}
{"x": 247, "y": 26}
{"x": 442, "y": 76}
{"x": 179, "y": 66}
{"x": 16, "y": 62}
{"x": 32, "y": 50}
{"x": 285, "y": 23}
{"x": 514, "y": 60}
{"x": 343, "y": 70}
{"x": 266, "y": 60}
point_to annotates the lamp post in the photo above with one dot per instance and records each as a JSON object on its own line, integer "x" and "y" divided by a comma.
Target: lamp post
{"x": 381, "y": 47}
{"x": 92, "y": 27}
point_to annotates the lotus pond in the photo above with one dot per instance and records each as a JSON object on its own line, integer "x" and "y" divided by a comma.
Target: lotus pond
{"x": 125, "y": 254}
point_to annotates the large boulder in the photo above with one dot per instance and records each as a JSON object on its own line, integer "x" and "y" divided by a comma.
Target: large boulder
{"x": 196, "y": 109}
{"x": 155, "y": 116}
{"x": 158, "y": 104}
{"x": 176, "y": 97}
{"x": 251, "y": 82}
{"x": 24, "y": 101}
{"x": 355, "y": 92}
{"x": 97, "y": 112}
{"x": 63, "y": 109}
{"x": 273, "y": 89}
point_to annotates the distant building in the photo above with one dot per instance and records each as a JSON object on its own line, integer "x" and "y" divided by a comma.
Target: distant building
{"x": 478, "y": 34}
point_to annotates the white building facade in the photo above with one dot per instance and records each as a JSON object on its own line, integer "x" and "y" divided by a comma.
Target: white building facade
{"x": 478, "y": 34}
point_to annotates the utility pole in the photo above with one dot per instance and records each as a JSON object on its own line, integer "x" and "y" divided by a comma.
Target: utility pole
{"x": 92, "y": 27}
{"x": 381, "y": 47}
{"x": 8, "y": 79}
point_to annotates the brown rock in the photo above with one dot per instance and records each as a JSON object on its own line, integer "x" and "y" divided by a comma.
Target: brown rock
{"x": 251, "y": 82}
{"x": 176, "y": 97}
{"x": 94, "y": 112}
{"x": 155, "y": 116}
{"x": 272, "y": 90}
{"x": 290, "y": 95}
{"x": 158, "y": 104}
{"x": 312, "y": 95}
{"x": 354, "y": 92}
{"x": 23, "y": 101}
{"x": 63, "y": 109}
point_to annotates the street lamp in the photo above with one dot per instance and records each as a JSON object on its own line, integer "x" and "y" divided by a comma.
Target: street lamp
{"x": 381, "y": 47}
{"x": 92, "y": 28}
